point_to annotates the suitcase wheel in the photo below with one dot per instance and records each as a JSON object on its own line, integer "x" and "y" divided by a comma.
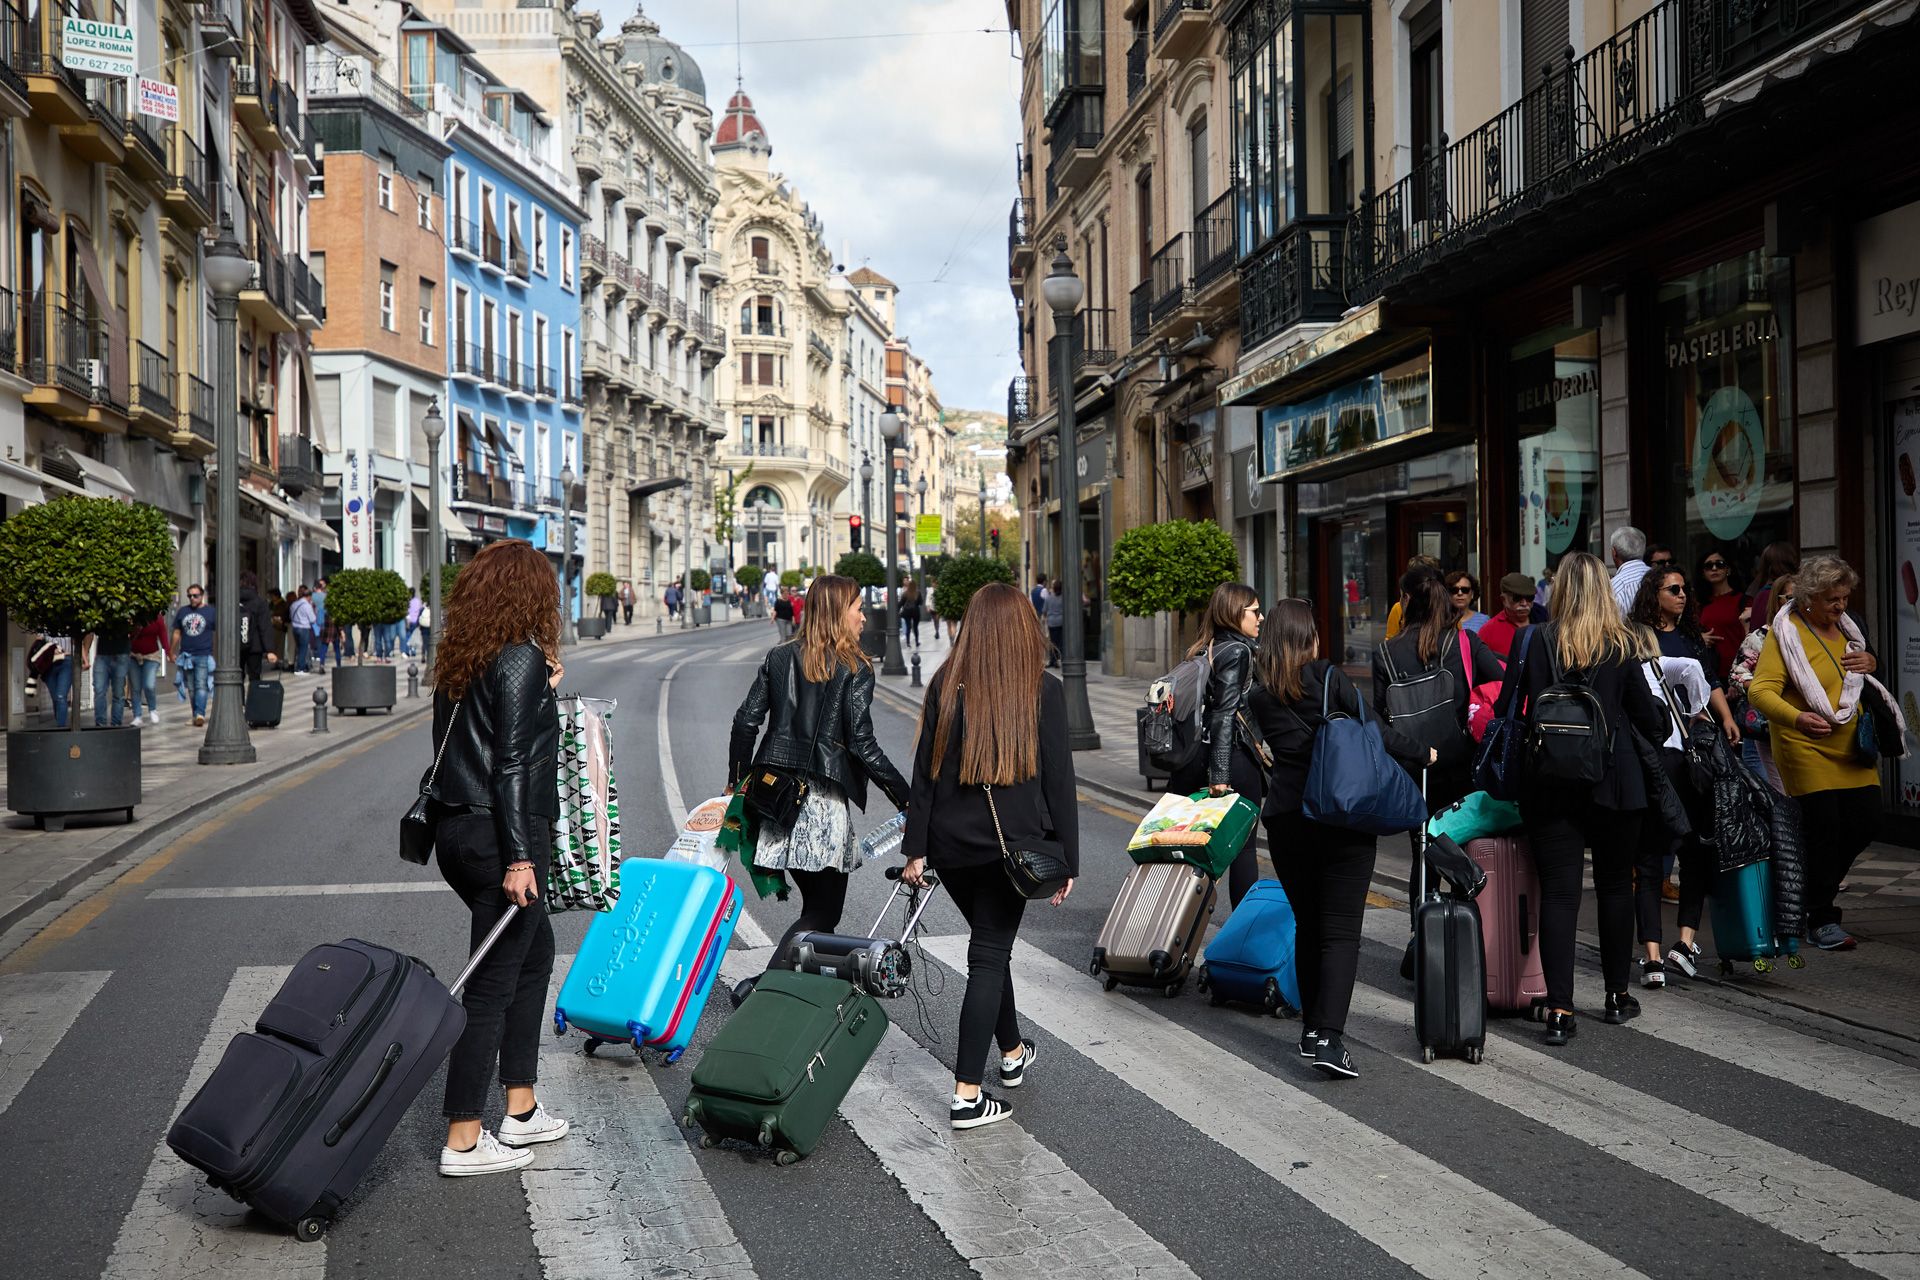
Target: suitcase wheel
{"x": 784, "y": 1157}
{"x": 1270, "y": 997}
{"x": 308, "y": 1230}
{"x": 1201, "y": 980}
{"x": 559, "y": 1023}
{"x": 674, "y": 1056}
{"x": 1476, "y": 1053}
{"x": 593, "y": 1042}
{"x": 1093, "y": 966}
{"x": 1111, "y": 982}
{"x": 766, "y": 1133}
{"x": 1726, "y": 968}
{"x": 1173, "y": 989}
{"x": 707, "y": 1141}
{"x": 1426, "y": 1054}
{"x": 1796, "y": 961}
{"x": 1761, "y": 964}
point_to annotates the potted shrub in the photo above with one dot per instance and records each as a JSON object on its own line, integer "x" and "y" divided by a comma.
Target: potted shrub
{"x": 701, "y": 582}
{"x": 599, "y": 590}
{"x": 961, "y": 577}
{"x": 366, "y": 598}
{"x": 750, "y": 576}
{"x": 69, "y": 567}
{"x": 1171, "y": 567}
{"x": 865, "y": 568}
{"x": 791, "y": 579}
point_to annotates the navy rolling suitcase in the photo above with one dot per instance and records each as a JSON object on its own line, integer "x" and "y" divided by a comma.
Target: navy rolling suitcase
{"x": 264, "y": 703}
{"x": 298, "y": 1107}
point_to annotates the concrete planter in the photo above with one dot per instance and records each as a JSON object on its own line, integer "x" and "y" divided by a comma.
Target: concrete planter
{"x": 703, "y": 615}
{"x": 592, "y": 628}
{"x": 873, "y": 634}
{"x": 363, "y": 688}
{"x": 53, "y": 774}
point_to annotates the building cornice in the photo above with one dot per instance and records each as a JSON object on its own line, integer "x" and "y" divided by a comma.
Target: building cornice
{"x": 607, "y": 79}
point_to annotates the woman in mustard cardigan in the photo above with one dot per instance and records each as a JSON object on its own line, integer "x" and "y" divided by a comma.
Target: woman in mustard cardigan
{"x": 1808, "y": 684}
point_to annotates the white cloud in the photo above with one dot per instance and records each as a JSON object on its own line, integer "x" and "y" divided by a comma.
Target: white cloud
{"x": 903, "y": 143}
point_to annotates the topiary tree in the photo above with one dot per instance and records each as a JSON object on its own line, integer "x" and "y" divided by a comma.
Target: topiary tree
{"x": 963, "y": 576}
{"x": 448, "y": 572}
{"x": 701, "y": 580}
{"x": 1169, "y": 568}
{"x": 935, "y": 565}
{"x": 863, "y": 567}
{"x": 78, "y": 565}
{"x": 791, "y": 579}
{"x": 750, "y": 576}
{"x": 601, "y": 584}
{"x": 368, "y": 598}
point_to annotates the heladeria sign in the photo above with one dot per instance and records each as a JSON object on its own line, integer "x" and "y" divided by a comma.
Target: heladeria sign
{"x": 97, "y": 48}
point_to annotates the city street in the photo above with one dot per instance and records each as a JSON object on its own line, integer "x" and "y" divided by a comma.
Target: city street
{"x": 1718, "y": 1135}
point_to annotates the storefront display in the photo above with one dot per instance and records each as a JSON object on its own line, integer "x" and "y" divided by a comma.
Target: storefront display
{"x": 1554, "y": 379}
{"x": 1904, "y": 440}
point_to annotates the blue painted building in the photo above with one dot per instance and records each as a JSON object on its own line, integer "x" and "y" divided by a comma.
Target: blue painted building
{"x": 512, "y": 322}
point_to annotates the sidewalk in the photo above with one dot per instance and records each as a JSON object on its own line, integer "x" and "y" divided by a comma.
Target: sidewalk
{"x": 1877, "y": 985}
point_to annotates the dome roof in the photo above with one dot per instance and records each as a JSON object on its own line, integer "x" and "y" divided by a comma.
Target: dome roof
{"x": 662, "y": 62}
{"x": 740, "y": 125}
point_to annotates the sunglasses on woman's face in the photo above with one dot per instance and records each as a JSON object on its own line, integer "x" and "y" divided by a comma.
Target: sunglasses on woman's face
{"x": 1462, "y": 590}
{"x": 1716, "y": 564}
{"x": 1675, "y": 590}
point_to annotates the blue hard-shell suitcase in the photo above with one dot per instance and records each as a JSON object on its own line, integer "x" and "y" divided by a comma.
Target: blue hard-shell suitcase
{"x": 645, "y": 967}
{"x": 1251, "y": 959}
{"x": 1741, "y": 909}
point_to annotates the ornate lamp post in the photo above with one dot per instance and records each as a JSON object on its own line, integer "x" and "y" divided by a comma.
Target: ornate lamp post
{"x": 566, "y": 565}
{"x": 891, "y": 425}
{"x": 227, "y": 271}
{"x": 1063, "y": 291}
{"x": 983, "y": 509}
{"x": 433, "y": 426}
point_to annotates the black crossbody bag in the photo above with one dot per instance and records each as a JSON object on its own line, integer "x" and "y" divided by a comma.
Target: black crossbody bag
{"x": 416, "y": 824}
{"x": 775, "y": 793}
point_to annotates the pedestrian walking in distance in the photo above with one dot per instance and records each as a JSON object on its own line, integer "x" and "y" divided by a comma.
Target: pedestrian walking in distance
{"x": 494, "y": 793}
{"x": 991, "y": 770}
{"x": 1231, "y": 760}
{"x": 1586, "y": 646}
{"x": 1055, "y": 605}
{"x": 1812, "y": 683}
{"x": 814, "y": 695}
{"x": 1324, "y": 869}
{"x": 783, "y": 615}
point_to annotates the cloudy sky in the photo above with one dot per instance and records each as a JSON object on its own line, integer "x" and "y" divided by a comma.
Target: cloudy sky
{"x": 899, "y": 128}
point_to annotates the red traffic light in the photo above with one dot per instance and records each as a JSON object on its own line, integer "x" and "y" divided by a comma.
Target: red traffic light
{"x": 853, "y": 522}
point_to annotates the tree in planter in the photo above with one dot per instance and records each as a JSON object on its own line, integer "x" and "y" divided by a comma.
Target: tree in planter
{"x": 791, "y": 579}
{"x": 701, "y": 580}
{"x": 863, "y": 567}
{"x": 1169, "y": 568}
{"x": 934, "y": 566}
{"x": 601, "y": 584}
{"x": 750, "y": 576}
{"x": 78, "y": 565}
{"x": 369, "y": 598}
{"x": 961, "y": 577}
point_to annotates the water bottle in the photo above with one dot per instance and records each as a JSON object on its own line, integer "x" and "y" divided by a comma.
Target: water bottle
{"x": 884, "y": 840}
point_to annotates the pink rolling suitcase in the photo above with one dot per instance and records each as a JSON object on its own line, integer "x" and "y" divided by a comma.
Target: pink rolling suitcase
{"x": 1510, "y": 922}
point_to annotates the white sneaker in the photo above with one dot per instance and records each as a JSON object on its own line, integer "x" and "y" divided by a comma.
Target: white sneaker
{"x": 541, "y": 1127}
{"x": 137, "y": 722}
{"x": 487, "y": 1156}
{"x": 153, "y": 717}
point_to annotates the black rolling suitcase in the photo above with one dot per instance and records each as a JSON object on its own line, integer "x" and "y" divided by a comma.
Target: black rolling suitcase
{"x": 1449, "y": 972}
{"x": 298, "y": 1108}
{"x": 264, "y": 702}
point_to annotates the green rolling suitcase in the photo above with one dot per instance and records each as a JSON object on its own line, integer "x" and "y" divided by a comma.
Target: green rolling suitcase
{"x": 776, "y": 1073}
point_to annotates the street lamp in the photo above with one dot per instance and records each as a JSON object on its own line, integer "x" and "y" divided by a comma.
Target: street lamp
{"x": 983, "y": 509}
{"x": 566, "y": 565}
{"x": 433, "y": 426}
{"x": 1062, "y": 290}
{"x": 892, "y": 664}
{"x": 227, "y": 271}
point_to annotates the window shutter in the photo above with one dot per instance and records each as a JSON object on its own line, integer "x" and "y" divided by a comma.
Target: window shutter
{"x": 1543, "y": 39}
{"x": 417, "y": 405}
{"x": 384, "y": 409}
{"x": 328, "y": 388}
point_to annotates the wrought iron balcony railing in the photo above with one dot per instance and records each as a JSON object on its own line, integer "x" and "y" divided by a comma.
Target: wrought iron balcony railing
{"x": 1020, "y": 397}
{"x": 1168, "y": 273}
{"x": 1213, "y": 242}
{"x": 1298, "y": 277}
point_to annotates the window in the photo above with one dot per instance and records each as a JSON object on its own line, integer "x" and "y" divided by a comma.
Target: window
{"x": 762, "y": 256}
{"x": 462, "y": 307}
{"x": 1073, "y": 36}
{"x": 1198, "y": 195}
{"x": 386, "y": 182}
{"x": 492, "y": 247}
{"x": 488, "y": 333}
{"x": 387, "y": 270}
{"x": 767, "y": 372}
{"x": 423, "y": 207}
{"x": 516, "y": 247}
{"x": 513, "y": 341}
{"x": 566, "y": 256}
{"x": 1299, "y": 91}
{"x": 1143, "y": 218}
{"x": 567, "y": 364}
{"x": 540, "y": 240}
{"x": 746, "y": 370}
{"x": 540, "y": 354}
{"x": 317, "y": 180}
{"x": 426, "y": 311}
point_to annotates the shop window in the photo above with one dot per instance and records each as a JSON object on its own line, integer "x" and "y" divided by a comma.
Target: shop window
{"x": 1554, "y": 384}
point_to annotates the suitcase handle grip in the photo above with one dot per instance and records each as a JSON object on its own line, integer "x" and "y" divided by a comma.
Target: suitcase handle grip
{"x": 345, "y": 1122}
{"x": 1526, "y": 923}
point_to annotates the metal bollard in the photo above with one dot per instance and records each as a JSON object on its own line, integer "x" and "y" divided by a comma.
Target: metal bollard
{"x": 413, "y": 679}
{"x": 319, "y": 710}
{"x": 916, "y": 669}
{"x": 659, "y": 625}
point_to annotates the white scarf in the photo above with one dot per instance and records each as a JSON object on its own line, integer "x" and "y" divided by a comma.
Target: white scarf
{"x": 1811, "y": 690}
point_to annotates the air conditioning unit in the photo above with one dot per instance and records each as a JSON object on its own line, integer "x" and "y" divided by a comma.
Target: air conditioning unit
{"x": 97, "y": 373}
{"x": 263, "y": 395}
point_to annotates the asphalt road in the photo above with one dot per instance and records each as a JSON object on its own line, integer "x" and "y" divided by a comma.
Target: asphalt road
{"x": 1155, "y": 1135}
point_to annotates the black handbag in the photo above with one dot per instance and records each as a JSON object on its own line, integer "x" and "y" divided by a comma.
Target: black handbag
{"x": 1038, "y": 868}
{"x": 416, "y": 824}
{"x": 775, "y": 793}
{"x": 1879, "y": 734}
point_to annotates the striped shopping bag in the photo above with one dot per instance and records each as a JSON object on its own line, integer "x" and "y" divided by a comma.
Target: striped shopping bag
{"x": 585, "y": 870}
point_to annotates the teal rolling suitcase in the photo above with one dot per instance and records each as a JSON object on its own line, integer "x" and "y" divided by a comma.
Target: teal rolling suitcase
{"x": 1742, "y": 912}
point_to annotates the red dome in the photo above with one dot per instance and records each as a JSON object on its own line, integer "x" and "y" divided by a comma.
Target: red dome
{"x": 740, "y": 124}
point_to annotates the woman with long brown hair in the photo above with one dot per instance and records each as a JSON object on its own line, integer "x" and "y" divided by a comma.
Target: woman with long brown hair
{"x": 1230, "y": 760}
{"x": 497, "y": 729}
{"x": 814, "y": 694}
{"x": 991, "y": 769}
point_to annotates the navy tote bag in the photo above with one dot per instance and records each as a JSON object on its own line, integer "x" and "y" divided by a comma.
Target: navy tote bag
{"x": 1352, "y": 781}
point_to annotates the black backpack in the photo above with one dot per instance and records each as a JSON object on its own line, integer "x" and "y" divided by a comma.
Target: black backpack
{"x": 1568, "y": 739}
{"x": 1425, "y": 708}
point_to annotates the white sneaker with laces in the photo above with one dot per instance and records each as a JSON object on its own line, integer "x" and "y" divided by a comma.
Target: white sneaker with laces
{"x": 137, "y": 722}
{"x": 540, "y": 1127}
{"x": 487, "y": 1156}
{"x": 153, "y": 717}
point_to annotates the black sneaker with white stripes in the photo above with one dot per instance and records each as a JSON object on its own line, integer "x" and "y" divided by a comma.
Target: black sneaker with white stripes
{"x": 1309, "y": 1043}
{"x": 1013, "y": 1071}
{"x": 1332, "y": 1058}
{"x": 982, "y": 1110}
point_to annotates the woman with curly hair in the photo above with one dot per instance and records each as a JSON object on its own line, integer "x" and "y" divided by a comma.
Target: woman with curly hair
{"x": 496, "y": 729}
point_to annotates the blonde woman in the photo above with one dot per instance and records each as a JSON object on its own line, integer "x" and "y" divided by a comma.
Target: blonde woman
{"x": 1586, "y": 641}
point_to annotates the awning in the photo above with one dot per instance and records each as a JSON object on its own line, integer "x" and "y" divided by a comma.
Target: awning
{"x": 22, "y": 484}
{"x": 262, "y": 498}
{"x": 100, "y": 475}
{"x": 319, "y": 532}
{"x": 319, "y": 429}
{"x": 117, "y": 347}
{"x": 647, "y": 488}
{"x": 452, "y": 527}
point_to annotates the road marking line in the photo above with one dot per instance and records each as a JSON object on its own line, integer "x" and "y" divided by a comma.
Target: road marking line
{"x": 1006, "y": 1203}
{"x": 179, "y": 1226}
{"x": 1849, "y": 1217}
{"x": 622, "y": 1194}
{"x": 36, "y": 1012}
{"x": 301, "y": 890}
{"x": 1415, "y": 1209}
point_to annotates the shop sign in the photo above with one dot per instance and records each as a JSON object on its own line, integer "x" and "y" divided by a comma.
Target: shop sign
{"x": 97, "y": 48}
{"x": 158, "y": 99}
{"x": 1090, "y": 462}
{"x": 1584, "y": 382}
{"x": 1251, "y": 495}
{"x": 1904, "y": 439}
{"x": 1683, "y": 349}
{"x": 356, "y": 506}
{"x": 1394, "y": 404}
{"x": 1196, "y": 462}
{"x": 1887, "y": 296}
{"x": 493, "y": 524}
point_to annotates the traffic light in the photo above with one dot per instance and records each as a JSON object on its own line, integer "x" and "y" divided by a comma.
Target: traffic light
{"x": 853, "y": 529}
{"x": 995, "y": 536}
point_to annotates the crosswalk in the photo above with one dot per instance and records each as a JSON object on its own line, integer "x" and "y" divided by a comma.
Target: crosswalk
{"x": 630, "y": 1193}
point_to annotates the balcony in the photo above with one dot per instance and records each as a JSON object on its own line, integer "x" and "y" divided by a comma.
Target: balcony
{"x": 309, "y": 297}
{"x": 1136, "y": 69}
{"x": 13, "y": 52}
{"x": 268, "y": 298}
{"x": 185, "y": 197}
{"x": 101, "y": 137}
{"x": 597, "y": 360}
{"x": 9, "y": 330}
{"x": 193, "y": 431}
{"x": 593, "y": 259}
{"x": 1140, "y": 312}
{"x": 145, "y": 145}
{"x": 1297, "y": 278}
{"x": 481, "y": 488}
{"x": 55, "y": 95}
{"x": 817, "y": 346}
{"x": 586, "y": 158}
{"x": 1021, "y": 394}
{"x": 1019, "y": 237}
{"x": 468, "y": 363}
{"x": 300, "y": 468}
{"x": 253, "y": 97}
{"x": 1167, "y": 272}
{"x": 657, "y": 299}
{"x": 219, "y": 22}
{"x": 1214, "y": 247}
{"x": 1077, "y": 121}
{"x": 464, "y": 239}
{"x": 679, "y": 315}
{"x": 1092, "y": 346}
{"x": 331, "y": 76}
{"x": 286, "y": 129}
{"x": 153, "y": 390}
{"x": 1182, "y": 28}
{"x": 64, "y": 354}
{"x": 545, "y": 384}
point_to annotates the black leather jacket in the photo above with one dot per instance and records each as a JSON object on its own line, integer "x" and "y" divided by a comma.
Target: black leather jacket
{"x": 823, "y": 730}
{"x": 1227, "y": 691}
{"x": 502, "y": 749}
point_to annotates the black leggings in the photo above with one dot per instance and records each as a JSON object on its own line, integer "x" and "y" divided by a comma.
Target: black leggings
{"x": 1325, "y": 871}
{"x": 1657, "y": 841}
{"x": 1838, "y": 825}
{"x": 993, "y": 911}
{"x": 1562, "y": 827}
{"x": 823, "y": 896}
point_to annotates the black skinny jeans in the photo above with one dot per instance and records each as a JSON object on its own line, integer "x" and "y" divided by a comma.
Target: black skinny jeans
{"x": 1838, "y": 824}
{"x": 506, "y": 999}
{"x": 1562, "y": 826}
{"x": 993, "y": 911}
{"x": 1325, "y": 871}
{"x": 823, "y": 896}
{"x": 1656, "y": 842}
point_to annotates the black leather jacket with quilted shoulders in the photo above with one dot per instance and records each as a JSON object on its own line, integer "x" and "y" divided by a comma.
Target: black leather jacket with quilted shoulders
{"x": 502, "y": 751}
{"x": 1227, "y": 691}
{"x": 823, "y": 730}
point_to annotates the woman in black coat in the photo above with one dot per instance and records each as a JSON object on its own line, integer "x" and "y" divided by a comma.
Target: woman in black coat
{"x": 1230, "y": 759}
{"x": 991, "y": 770}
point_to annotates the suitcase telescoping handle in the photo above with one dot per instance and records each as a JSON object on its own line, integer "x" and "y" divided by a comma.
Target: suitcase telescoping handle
{"x": 919, "y": 904}
{"x": 1420, "y": 892}
{"x": 460, "y": 983}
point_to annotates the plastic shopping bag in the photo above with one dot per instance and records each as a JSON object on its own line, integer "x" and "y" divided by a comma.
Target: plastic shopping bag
{"x": 585, "y": 869}
{"x": 699, "y": 838}
{"x": 1207, "y": 831}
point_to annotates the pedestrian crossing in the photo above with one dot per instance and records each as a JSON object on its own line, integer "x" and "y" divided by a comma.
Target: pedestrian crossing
{"x": 630, "y": 1193}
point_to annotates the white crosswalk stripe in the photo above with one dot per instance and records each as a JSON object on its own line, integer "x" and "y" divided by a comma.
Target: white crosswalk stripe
{"x": 1383, "y": 1191}
{"x": 36, "y": 1012}
{"x": 1008, "y": 1205}
{"x": 181, "y": 1229}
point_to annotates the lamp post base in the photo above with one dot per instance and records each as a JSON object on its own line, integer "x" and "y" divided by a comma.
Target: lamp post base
{"x": 227, "y": 741}
{"x": 227, "y": 753}
{"x": 893, "y": 664}
{"x": 1081, "y": 735}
